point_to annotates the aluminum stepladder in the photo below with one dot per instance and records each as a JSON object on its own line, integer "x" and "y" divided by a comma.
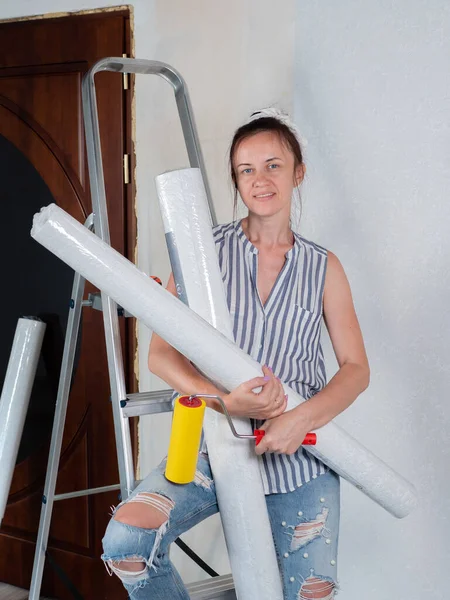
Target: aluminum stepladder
{"x": 124, "y": 405}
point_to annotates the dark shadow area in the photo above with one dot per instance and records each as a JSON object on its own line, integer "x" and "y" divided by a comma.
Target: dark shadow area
{"x": 34, "y": 283}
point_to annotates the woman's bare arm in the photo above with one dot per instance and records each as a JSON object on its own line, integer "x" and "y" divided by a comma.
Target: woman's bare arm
{"x": 176, "y": 370}
{"x": 353, "y": 375}
{"x": 285, "y": 433}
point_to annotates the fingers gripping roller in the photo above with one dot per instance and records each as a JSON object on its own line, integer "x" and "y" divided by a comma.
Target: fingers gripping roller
{"x": 186, "y": 434}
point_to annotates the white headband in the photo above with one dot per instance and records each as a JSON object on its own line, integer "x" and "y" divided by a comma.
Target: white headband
{"x": 284, "y": 118}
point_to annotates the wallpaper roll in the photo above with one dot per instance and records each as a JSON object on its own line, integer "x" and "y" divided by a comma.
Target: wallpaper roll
{"x": 213, "y": 353}
{"x": 234, "y": 464}
{"x": 187, "y": 225}
{"x": 15, "y": 397}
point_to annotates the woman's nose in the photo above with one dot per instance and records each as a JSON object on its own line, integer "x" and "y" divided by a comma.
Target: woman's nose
{"x": 259, "y": 179}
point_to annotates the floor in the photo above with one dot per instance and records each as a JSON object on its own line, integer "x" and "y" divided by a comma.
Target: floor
{"x": 9, "y": 592}
{"x": 219, "y": 588}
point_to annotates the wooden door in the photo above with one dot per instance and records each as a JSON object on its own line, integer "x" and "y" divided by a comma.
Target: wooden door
{"x": 43, "y": 160}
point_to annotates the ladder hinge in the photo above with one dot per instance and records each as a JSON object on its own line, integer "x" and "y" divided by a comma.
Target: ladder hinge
{"x": 125, "y": 76}
{"x": 126, "y": 168}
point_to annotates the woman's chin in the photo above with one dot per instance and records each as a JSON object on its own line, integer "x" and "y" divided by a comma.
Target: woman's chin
{"x": 264, "y": 210}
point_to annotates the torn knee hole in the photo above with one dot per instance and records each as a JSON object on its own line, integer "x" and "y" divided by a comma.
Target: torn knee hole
{"x": 129, "y": 570}
{"x": 308, "y": 531}
{"x": 315, "y": 588}
{"x": 161, "y": 503}
{"x": 129, "y": 564}
{"x": 153, "y": 517}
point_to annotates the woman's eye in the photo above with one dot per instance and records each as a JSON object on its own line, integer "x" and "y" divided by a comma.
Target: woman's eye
{"x": 274, "y": 165}
{"x": 246, "y": 171}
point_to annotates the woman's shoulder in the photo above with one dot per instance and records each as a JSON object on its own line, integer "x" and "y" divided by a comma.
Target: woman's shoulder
{"x": 220, "y": 232}
{"x": 311, "y": 245}
{"x": 332, "y": 263}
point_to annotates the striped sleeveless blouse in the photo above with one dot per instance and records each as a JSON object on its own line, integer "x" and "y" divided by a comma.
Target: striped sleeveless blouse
{"x": 284, "y": 334}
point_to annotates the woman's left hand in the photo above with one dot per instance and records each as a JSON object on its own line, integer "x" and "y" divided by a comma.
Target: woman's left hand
{"x": 285, "y": 433}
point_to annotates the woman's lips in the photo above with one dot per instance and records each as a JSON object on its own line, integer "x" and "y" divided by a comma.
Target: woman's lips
{"x": 264, "y": 196}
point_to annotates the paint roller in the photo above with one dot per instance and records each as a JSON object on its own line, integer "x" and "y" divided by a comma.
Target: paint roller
{"x": 186, "y": 433}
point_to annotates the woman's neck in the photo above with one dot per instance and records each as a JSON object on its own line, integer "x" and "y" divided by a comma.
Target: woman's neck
{"x": 267, "y": 232}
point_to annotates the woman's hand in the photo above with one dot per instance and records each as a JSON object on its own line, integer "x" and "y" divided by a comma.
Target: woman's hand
{"x": 285, "y": 433}
{"x": 268, "y": 404}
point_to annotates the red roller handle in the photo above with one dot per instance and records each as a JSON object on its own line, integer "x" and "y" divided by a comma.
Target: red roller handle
{"x": 310, "y": 439}
{"x": 259, "y": 434}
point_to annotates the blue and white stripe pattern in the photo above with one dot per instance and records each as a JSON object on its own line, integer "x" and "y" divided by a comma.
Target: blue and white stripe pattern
{"x": 284, "y": 334}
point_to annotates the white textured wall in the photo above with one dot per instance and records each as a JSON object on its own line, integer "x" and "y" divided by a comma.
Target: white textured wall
{"x": 373, "y": 99}
{"x": 235, "y": 57}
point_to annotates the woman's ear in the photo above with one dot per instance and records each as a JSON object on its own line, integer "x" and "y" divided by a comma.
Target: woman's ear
{"x": 299, "y": 174}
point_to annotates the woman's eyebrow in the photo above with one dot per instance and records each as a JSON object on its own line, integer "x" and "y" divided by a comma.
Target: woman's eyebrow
{"x": 268, "y": 160}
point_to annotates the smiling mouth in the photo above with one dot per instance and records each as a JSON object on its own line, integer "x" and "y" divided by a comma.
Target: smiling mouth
{"x": 264, "y": 196}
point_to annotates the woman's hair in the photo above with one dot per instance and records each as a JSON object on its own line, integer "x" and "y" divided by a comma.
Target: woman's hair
{"x": 263, "y": 124}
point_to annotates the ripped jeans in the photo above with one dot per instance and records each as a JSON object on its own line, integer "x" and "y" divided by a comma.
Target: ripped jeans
{"x": 305, "y": 527}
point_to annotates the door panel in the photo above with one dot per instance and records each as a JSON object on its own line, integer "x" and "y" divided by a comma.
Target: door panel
{"x": 43, "y": 160}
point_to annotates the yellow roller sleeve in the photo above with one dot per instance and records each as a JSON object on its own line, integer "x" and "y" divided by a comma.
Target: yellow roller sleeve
{"x": 185, "y": 439}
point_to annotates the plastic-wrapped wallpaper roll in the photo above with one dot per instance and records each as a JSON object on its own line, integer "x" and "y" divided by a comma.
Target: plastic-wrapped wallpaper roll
{"x": 214, "y": 354}
{"x": 15, "y": 397}
{"x": 240, "y": 494}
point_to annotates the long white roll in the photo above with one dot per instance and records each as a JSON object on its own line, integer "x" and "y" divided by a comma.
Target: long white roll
{"x": 240, "y": 493}
{"x": 214, "y": 354}
{"x": 15, "y": 397}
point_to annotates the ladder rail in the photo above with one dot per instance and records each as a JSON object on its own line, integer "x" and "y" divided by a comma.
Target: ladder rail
{"x": 185, "y": 112}
{"x": 110, "y": 319}
{"x": 65, "y": 378}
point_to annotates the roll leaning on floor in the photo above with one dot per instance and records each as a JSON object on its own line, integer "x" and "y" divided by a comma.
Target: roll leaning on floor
{"x": 16, "y": 392}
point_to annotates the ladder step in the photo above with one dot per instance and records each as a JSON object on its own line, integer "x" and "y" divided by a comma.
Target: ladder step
{"x": 217, "y": 588}
{"x": 95, "y": 301}
{"x": 147, "y": 403}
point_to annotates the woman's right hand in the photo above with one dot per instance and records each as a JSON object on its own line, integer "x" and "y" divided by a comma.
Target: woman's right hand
{"x": 270, "y": 402}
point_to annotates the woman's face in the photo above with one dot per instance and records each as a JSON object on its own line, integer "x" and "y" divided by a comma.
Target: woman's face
{"x": 265, "y": 174}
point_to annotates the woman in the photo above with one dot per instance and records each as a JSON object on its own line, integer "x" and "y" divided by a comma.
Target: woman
{"x": 279, "y": 287}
